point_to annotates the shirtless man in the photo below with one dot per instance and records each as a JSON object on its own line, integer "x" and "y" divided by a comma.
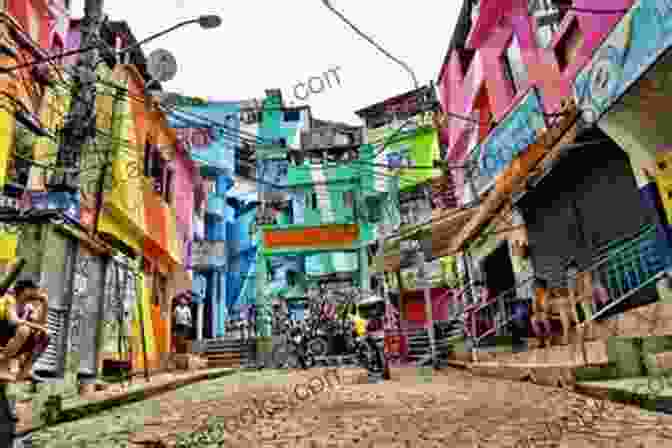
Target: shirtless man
{"x": 25, "y": 330}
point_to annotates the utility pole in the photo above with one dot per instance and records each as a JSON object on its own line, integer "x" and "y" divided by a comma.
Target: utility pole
{"x": 80, "y": 124}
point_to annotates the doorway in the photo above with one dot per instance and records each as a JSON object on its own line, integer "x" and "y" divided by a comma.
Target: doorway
{"x": 498, "y": 270}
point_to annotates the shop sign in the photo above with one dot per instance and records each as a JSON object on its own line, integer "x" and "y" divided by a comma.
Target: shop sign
{"x": 68, "y": 203}
{"x": 640, "y": 38}
{"x": 327, "y": 236}
{"x": 508, "y": 139}
{"x": 195, "y": 137}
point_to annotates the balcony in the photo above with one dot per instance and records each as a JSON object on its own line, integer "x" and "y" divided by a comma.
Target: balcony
{"x": 207, "y": 254}
{"x": 216, "y": 205}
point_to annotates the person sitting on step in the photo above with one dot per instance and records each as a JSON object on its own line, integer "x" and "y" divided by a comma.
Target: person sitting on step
{"x": 25, "y": 335}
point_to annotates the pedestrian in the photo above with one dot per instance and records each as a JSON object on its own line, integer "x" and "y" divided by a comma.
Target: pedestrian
{"x": 520, "y": 324}
{"x": 540, "y": 317}
{"x": 24, "y": 336}
{"x": 183, "y": 324}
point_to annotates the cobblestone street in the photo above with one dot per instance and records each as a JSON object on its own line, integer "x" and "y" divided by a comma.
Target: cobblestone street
{"x": 452, "y": 409}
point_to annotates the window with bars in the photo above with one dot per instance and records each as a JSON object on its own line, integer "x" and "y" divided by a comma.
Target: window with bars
{"x": 547, "y": 18}
{"x": 514, "y": 67}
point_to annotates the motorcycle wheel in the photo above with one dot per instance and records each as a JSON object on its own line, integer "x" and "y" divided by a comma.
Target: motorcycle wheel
{"x": 293, "y": 360}
{"x": 307, "y": 361}
{"x": 318, "y": 346}
{"x": 280, "y": 356}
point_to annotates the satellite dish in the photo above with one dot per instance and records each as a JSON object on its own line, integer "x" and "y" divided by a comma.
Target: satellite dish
{"x": 167, "y": 99}
{"x": 162, "y": 65}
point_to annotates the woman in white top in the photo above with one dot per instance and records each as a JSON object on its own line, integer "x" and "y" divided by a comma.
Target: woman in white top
{"x": 182, "y": 327}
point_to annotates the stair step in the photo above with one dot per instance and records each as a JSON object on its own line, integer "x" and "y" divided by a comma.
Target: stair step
{"x": 223, "y": 356}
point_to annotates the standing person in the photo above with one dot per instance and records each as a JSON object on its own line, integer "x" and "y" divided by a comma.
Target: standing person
{"x": 183, "y": 324}
{"x": 519, "y": 325}
{"x": 540, "y": 318}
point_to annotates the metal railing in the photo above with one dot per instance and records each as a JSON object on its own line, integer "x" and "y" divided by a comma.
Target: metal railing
{"x": 620, "y": 270}
{"x": 626, "y": 267}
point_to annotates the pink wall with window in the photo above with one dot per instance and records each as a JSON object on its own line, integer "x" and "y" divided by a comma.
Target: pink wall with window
{"x": 46, "y": 21}
{"x": 484, "y": 91}
{"x": 184, "y": 195}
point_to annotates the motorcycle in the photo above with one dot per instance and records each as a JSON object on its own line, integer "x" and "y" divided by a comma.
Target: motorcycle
{"x": 293, "y": 353}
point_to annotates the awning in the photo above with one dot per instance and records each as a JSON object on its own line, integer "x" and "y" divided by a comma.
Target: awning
{"x": 514, "y": 178}
{"x": 442, "y": 227}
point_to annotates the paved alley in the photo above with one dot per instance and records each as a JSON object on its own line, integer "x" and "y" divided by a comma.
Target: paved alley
{"x": 451, "y": 408}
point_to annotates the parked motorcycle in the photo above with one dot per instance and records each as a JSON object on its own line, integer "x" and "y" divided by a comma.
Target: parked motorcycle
{"x": 293, "y": 352}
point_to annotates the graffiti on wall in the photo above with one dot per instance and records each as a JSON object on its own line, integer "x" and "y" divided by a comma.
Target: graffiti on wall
{"x": 506, "y": 141}
{"x": 639, "y": 39}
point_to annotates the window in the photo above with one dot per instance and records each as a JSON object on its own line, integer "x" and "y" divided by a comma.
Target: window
{"x": 18, "y": 169}
{"x": 475, "y": 10}
{"x": 349, "y": 199}
{"x": 148, "y": 159}
{"x": 514, "y": 67}
{"x": 158, "y": 167}
{"x": 210, "y": 185}
{"x": 567, "y": 48}
{"x": 291, "y": 278}
{"x": 292, "y": 115}
{"x": 547, "y": 19}
{"x": 313, "y": 200}
{"x": 250, "y": 116}
{"x": 159, "y": 293}
{"x": 168, "y": 189}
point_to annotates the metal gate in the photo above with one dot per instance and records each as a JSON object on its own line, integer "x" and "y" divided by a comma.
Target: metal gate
{"x": 57, "y": 281}
{"x": 86, "y": 311}
{"x": 587, "y": 201}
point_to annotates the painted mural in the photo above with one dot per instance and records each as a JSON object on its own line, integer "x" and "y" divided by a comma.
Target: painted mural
{"x": 508, "y": 139}
{"x": 641, "y": 37}
{"x": 213, "y": 129}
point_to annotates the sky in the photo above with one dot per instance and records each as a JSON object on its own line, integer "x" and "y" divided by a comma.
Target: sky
{"x": 266, "y": 44}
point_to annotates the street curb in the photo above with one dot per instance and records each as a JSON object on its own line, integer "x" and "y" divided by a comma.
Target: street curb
{"x": 123, "y": 398}
{"x": 640, "y": 400}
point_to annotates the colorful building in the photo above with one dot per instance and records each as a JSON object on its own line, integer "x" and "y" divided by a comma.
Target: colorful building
{"x": 404, "y": 128}
{"x": 547, "y": 124}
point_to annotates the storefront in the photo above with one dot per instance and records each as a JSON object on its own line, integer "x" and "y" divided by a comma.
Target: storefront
{"x": 583, "y": 209}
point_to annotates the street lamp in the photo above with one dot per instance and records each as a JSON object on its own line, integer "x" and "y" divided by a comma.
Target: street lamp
{"x": 205, "y": 21}
{"x": 327, "y": 3}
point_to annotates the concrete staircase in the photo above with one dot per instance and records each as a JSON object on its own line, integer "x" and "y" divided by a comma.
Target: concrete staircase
{"x": 228, "y": 352}
{"x": 419, "y": 349}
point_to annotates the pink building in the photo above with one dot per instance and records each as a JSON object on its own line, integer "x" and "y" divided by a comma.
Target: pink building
{"x": 185, "y": 175}
{"x": 509, "y": 68}
{"x": 502, "y": 50}
{"x": 45, "y": 21}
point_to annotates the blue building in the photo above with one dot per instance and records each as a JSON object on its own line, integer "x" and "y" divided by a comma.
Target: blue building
{"x": 216, "y": 125}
